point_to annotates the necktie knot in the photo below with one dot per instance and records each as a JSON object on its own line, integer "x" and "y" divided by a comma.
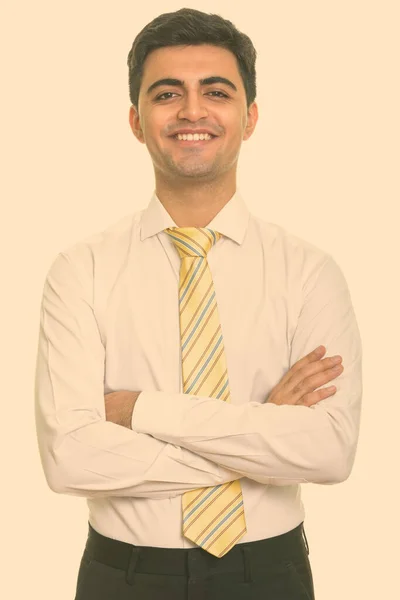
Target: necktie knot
{"x": 193, "y": 241}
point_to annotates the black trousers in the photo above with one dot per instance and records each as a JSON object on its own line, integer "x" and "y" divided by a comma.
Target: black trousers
{"x": 276, "y": 568}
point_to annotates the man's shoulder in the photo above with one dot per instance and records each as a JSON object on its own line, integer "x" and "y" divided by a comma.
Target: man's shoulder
{"x": 105, "y": 247}
{"x": 300, "y": 262}
{"x": 279, "y": 239}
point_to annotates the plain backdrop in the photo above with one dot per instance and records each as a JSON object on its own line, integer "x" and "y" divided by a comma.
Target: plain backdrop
{"x": 323, "y": 163}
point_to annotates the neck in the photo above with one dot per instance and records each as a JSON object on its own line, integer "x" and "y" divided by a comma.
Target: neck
{"x": 195, "y": 205}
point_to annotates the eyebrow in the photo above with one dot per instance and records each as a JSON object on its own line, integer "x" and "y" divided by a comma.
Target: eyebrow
{"x": 178, "y": 82}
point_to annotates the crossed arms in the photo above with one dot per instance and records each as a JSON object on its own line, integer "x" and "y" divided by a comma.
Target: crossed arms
{"x": 180, "y": 442}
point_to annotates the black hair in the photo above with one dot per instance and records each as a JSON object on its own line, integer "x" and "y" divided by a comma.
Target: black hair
{"x": 188, "y": 26}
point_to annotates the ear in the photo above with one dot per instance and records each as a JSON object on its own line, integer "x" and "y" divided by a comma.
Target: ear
{"x": 252, "y": 118}
{"x": 134, "y": 122}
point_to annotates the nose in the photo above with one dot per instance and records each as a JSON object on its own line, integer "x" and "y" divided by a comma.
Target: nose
{"x": 193, "y": 107}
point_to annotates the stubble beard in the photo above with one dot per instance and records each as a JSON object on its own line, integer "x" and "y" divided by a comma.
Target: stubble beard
{"x": 192, "y": 167}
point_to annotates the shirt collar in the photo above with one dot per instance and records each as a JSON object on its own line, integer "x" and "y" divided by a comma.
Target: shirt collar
{"x": 232, "y": 220}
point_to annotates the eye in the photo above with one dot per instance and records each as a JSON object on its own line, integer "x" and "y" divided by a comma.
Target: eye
{"x": 217, "y": 92}
{"x": 162, "y": 96}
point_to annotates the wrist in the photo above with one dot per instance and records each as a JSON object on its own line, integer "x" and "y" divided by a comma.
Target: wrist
{"x": 131, "y": 408}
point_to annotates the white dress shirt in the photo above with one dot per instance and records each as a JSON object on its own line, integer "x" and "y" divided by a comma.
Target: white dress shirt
{"x": 109, "y": 321}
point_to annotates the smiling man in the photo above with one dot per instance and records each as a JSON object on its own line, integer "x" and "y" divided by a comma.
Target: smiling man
{"x": 193, "y": 116}
{"x": 180, "y": 380}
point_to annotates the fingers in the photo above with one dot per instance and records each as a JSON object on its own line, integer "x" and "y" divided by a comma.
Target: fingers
{"x": 317, "y": 395}
{"x": 311, "y": 358}
{"x": 299, "y": 385}
{"x": 312, "y": 373}
{"x": 306, "y": 391}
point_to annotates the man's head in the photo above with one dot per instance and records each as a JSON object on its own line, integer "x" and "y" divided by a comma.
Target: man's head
{"x": 170, "y": 65}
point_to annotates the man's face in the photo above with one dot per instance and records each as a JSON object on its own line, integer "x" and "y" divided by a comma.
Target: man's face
{"x": 214, "y": 107}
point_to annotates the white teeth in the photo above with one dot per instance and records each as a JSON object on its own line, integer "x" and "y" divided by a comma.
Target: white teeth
{"x": 193, "y": 137}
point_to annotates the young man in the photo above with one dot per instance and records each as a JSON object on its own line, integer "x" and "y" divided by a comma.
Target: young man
{"x": 180, "y": 373}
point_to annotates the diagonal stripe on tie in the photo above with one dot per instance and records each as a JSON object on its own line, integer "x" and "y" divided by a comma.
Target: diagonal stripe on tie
{"x": 213, "y": 517}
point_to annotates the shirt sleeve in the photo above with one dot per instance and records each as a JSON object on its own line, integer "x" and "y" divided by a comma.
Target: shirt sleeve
{"x": 278, "y": 443}
{"x": 83, "y": 454}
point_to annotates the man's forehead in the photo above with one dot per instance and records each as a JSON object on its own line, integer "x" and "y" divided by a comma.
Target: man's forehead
{"x": 190, "y": 64}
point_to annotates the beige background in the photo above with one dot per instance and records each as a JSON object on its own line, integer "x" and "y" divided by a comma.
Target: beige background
{"x": 323, "y": 162}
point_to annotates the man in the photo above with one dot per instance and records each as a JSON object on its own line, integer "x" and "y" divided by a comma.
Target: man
{"x": 181, "y": 384}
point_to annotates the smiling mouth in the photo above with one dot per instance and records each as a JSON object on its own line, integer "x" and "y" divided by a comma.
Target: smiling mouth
{"x": 194, "y": 142}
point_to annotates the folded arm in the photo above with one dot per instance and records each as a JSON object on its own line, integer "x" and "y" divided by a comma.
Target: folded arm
{"x": 82, "y": 454}
{"x": 270, "y": 443}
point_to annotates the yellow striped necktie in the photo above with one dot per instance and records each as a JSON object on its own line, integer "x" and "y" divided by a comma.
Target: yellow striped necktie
{"x": 213, "y": 517}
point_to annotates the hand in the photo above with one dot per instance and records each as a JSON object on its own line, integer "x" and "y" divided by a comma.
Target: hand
{"x": 298, "y": 384}
{"x": 119, "y": 407}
